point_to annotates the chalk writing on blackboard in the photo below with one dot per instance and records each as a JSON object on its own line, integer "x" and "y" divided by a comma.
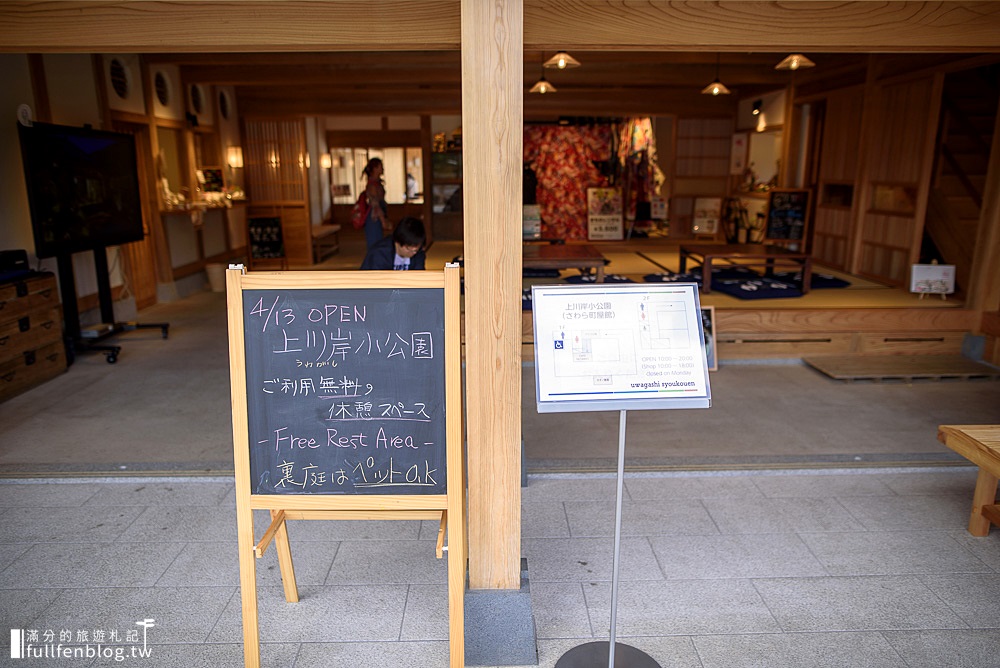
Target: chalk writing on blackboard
{"x": 345, "y": 391}
{"x": 266, "y": 240}
{"x": 786, "y": 215}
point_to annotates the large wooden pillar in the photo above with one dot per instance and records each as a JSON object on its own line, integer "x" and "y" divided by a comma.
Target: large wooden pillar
{"x": 492, "y": 121}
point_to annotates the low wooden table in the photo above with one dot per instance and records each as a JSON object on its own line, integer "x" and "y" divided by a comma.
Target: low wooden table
{"x": 563, "y": 256}
{"x": 748, "y": 255}
{"x": 980, "y": 444}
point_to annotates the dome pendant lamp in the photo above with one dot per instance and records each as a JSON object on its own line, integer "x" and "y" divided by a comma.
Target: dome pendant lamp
{"x": 796, "y": 61}
{"x": 562, "y": 61}
{"x": 716, "y": 87}
{"x": 542, "y": 86}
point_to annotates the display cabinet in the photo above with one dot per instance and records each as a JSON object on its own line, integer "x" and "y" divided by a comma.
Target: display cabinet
{"x": 446, "y": 194}
{"x": 32, "y": 349}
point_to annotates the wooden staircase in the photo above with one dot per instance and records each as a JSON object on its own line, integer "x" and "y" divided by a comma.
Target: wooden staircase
{"x": 968, "y": 115}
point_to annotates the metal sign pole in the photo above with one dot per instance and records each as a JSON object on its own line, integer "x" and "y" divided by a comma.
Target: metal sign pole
{"x": 618, "y": 536}
{"x": 591, "y": 655}
{"x": 589, "y": 341}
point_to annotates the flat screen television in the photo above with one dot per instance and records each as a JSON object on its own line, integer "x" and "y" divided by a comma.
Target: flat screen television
{"x": 83, "y": 188}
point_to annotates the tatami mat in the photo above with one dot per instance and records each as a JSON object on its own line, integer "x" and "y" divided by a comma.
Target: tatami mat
{"x": 638, "y": 258}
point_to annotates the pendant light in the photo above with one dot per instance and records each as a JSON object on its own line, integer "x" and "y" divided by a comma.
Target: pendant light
{"x": 716, "y": 87}
{"x": 795, "y": 61}
{"x": 542, "y": 86}
{"x": 562, "y": 61}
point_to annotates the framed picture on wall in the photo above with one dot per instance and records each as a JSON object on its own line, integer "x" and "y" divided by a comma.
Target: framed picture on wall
{"x": 708, "y": 325}
{"x": 707, "y": 211}
{"x": 605, "y": 221}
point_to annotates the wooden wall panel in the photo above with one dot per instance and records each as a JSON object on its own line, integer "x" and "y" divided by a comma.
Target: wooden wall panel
{"x": 899, "y": 156}
{"x": 831, "y": 233}
{"x": 839, "y": 159}
{"x": 700, "y": 167}
{"x": 295, "y": 231}
{"x": 274, "y": 154}
{"x": 902, "y": 114}
{"x": 274, "y": 157}
{"x": 837, "y": 176}
{"x": 845, "y": 320}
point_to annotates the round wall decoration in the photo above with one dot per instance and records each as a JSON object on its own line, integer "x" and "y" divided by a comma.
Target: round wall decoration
{"x": 120, "y": 80}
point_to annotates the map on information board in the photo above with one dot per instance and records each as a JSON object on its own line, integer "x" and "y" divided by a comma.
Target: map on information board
{"x": 619, "y": 346}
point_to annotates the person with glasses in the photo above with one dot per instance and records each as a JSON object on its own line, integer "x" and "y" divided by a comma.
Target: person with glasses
{"x": 402, "y": 251}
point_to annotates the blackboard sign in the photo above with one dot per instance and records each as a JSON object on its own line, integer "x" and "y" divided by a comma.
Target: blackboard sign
{"x": 787, "y": 215}
{"x": 265, "y": 238}
{"x": 347, "y": 405}
{"x": 345, "y": 391}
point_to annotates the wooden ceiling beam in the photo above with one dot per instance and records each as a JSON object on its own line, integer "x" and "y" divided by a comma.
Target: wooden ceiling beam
{"x": 140, "y": 26}
{"x": 316, "y": 75}
{"x": 584, "y": 102}
{"x": 213, "y": 26}
{"x": 357, "y": 103}
{"x": 628, "y": 103}
{"x": 618, "y": 69}
{"x": 310, "y": 58}
{"x": 736, "y": 25}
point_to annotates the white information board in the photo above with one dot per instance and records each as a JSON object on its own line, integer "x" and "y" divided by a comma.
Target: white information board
{"x": 937, "y": 279}
{"x": 621, "y": 346}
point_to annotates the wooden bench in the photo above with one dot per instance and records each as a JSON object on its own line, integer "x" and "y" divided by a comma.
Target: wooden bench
{"x": 326, "y": 241}
{"x": 980, "y": 444}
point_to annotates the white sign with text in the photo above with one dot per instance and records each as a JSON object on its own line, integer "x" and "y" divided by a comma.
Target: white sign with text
{"x": 621, "y": 346}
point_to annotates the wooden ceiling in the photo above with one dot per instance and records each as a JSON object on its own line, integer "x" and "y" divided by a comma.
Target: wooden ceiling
{"x": 607, "y": 83}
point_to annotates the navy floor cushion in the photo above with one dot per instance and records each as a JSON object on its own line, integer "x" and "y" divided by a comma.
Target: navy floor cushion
{"x": 590, "y": 278}
{"x": 670, "y": 277}
{"x": 540, "y": 273}
{"x": 756, "y": 288}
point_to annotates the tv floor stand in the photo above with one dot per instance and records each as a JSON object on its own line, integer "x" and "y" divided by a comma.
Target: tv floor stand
{"x": 75, "y": 341}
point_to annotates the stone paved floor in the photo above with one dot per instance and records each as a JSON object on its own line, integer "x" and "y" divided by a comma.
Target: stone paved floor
{"x": 835, "y": 568}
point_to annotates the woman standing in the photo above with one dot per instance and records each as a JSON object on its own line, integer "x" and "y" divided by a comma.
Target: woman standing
{"x": 377, "y": 221}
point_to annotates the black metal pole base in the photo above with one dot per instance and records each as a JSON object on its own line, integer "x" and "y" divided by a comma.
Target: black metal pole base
{"x": 595, "y": 655}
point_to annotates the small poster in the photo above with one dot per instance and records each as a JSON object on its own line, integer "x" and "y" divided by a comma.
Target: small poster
{"x": 604, "y": 214}
{"x": 934, "y": 279}
{"x": 658, "y": 207}
{"x": 531, "y": 221}
{"x": 706, "y": 215}
{"x": 738, "y": 153}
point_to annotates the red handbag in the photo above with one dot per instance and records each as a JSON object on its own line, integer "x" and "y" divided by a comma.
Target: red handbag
{"x": 360, "y": 211}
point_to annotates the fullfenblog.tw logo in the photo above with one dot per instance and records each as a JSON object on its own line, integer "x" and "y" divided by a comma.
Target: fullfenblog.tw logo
{"x": 81, "y": 644}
